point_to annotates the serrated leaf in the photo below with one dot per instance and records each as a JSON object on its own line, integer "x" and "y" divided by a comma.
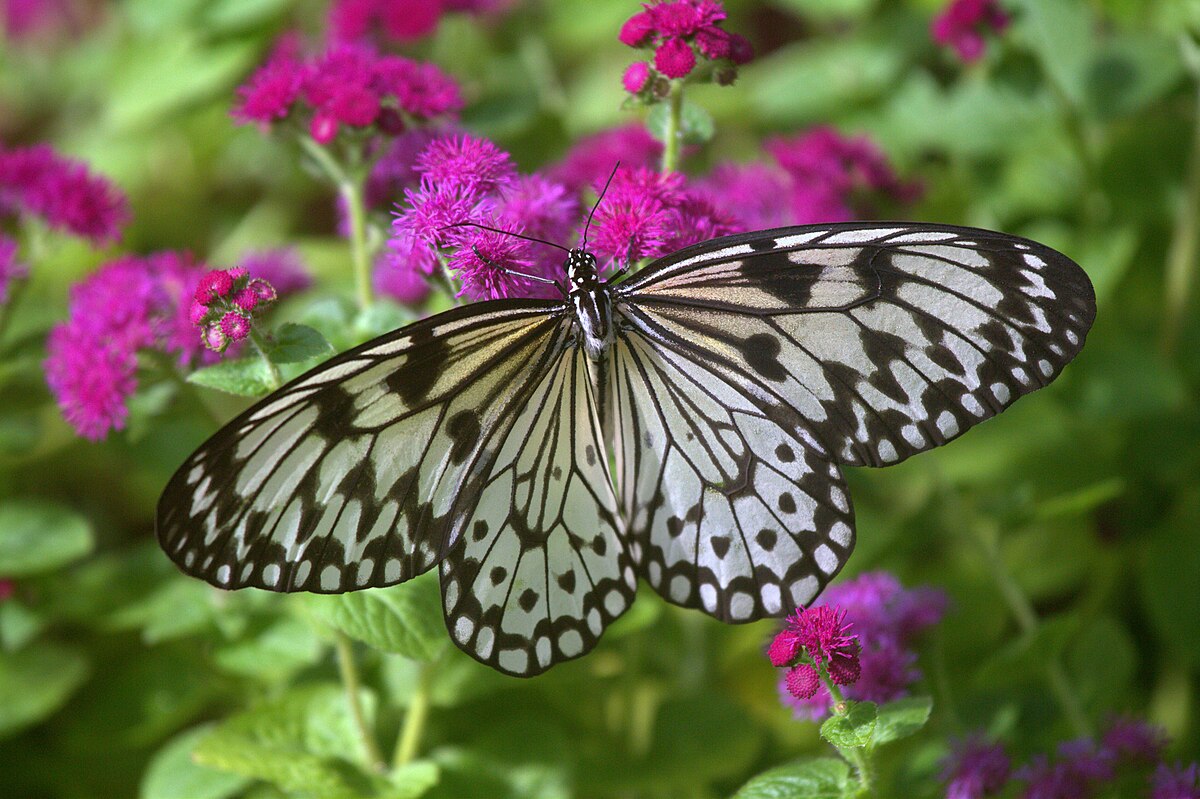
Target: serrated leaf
{"x": 696, "y": 125}
{"x": 819, "y": 778}
{"x": 405, "y": 619}
{"x": 35, "y": 682}
{"x": 303, "y": 741}
{"x": 900, "y": 719}
{"x": 273, "y": 654}
{"x": 246, "y": 377}
{"x": 39, "y": 537}
{"x": 174, "y": 774}
{"x": 855, "y": 728}
{"x": 293, "y": 343}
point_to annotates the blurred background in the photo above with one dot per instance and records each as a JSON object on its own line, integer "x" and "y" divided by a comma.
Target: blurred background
{"x": 1065, "y": 531}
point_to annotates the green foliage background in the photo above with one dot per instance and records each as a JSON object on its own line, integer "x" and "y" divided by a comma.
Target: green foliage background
{"x": 1066, "y": 531}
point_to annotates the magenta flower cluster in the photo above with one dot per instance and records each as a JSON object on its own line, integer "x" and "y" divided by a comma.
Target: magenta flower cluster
{"x": 681, "y": 34}
{"x": 963, "y": 24}
{"x": 349, "y": 85}
{"x": 62, "y": 192}
{"x": 130, "y": 304}
{"x": 464, "y": 179}
{"x": 1082, "y": 769}
{"x": 395, "y": 20}
{"x": 591, "y": 159}
{"x": 887, "y": 619}
{"x": 10, "y": 268}
{"x": 815, "y": 642}
{"x": 224, "y": 305}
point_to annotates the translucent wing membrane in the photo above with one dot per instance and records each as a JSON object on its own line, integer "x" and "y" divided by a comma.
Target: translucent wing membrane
{"x": 544, "y": 568}
{"x": 888, "y": 338}
{"x": 734, "y": 506}
{"x": 364, "y": 471}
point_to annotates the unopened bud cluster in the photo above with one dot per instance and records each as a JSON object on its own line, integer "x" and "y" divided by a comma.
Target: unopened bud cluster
{"x": 225, "y": 303}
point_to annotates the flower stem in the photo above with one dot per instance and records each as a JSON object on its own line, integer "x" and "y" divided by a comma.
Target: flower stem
{"x": 1181, "y": 256}
{"x": 856, "y": 755}
{"x": 674, "y": 132}
{"x": 349, "y": 183}
{"x": 349, "y": 672}
{"x": 414, "y": 719}
{"x": 352, "y": 195}
{"x": 257, "y": 340}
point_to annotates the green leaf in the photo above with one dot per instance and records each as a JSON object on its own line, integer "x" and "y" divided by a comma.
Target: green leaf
{"x": 38, "y": 537}
{"x": 246, "y": 377}
{"x": 1080, "y": 501}
{"x": 293, "y": 343}
{"x": 855, "y": 728}
{"x": 1168, "y": 562}
{"x": 382, "y": 316}
{"x": 274, "y": 654}
{"x": 696, "y": 126}
{"x": 819, "y": 778}
{"x": 35, "y": 682}
{"x": 303, "y": 741}
{"x": 901, "y": 718}
{"x": 405, "y": 619}
{"x": 1060, "y": 34}
{"x": 412, "y": 780}
{"x": 18, "y": 625}
{"x": 173, "y": 774}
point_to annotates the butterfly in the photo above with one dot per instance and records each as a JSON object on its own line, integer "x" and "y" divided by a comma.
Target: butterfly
{"x": 685, "y": 425}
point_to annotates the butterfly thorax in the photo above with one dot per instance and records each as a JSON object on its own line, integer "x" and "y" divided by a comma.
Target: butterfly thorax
{"x": 592, "y": 304}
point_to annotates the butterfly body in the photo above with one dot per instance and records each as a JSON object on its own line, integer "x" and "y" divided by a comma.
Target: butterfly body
{"x": 686, "y": 426}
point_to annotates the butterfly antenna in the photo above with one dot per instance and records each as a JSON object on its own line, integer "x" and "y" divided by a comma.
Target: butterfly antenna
{"x": 603, "y": 191}
{"x": 505, "y": 232}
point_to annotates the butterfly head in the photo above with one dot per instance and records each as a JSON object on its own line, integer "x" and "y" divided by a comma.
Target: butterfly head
{"x": 581, "y": 270}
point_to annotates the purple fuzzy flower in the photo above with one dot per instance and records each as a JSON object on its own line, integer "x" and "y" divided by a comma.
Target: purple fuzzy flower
{"x": 401, "y": 274}
{"x": 395, "y": 20}
{"x": 63, "y": 192}
{"x": 271, "y": 91}
{"x": 836, "y": 178}
{"x": 677, "y": 29}
{"x": 1178, "y": 782}
{"x": 975, "y": 769}
{"x": 10, "y": 268}
{"x": 396, "y": 169}
{"x": 129, "y": 304}
{"x": 592, "y": 158}
{"x": 1134, "y": 741}
{"x": 963, "y": 23}
{"x": 1079, "y": 769}
{"x": 27, "y": 19}
{"x": 636, "y": 76}
{"x": 482, "y": 261}
{"x": 750, "y": 194}
{"x": 802, "y": 681}
{"x": 465, "y": 164}
{"x": 674, "y": 58}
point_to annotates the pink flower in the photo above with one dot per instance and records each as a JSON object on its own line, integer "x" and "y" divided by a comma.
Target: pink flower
{"x": 228, "y": 299}
{"x": 802, "y": 681}
{"x": 26, "y": 19}
{"x": 1178, "y": 782}
{"x": 636, "y": 76}
{"x": 836, "y": 178}
{"x": 674, "y": 58}
{"x": 235, "y": 325}
{"x": 398, "y": 20}
{"x": 750, "y": 194}
{"x": 975, "y": 769}
{"x": 785, "y": 647}
{"x": 963, "y": 23}
{"x": 130, "y": 304}
{"x": 63, "y": 192}
{"x": 420, "y": 90}
{"x": 1134, "y": 740}
{"x": 593, "y": 157}
{"x": 396, "y": 169}
{"x": 466, "y": 163}
{"x": 399, "y": 275}
{"x": 638, "y": 30}
{"x": 271, "y": 91}
{"x": 483, "y": 260}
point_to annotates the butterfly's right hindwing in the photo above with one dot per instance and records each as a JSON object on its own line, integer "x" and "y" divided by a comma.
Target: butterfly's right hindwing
{"x": 352, "y": 475}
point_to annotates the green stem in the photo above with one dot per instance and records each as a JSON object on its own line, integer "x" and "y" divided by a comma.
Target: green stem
{"x": 1182, "y": 254}
{"x": 414, "y": 720}
{"x": 349, "y": 183}
{"x": 349, "y": 672}
{"x": 261, "y": 346}
{"x": 1027, "y": 619}
{"x": 674, "y": 133}
{"x": 356, "y": 208}
{"x": 857, "y": 757}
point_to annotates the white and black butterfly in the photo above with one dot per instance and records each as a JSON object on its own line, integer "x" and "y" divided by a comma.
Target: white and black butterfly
{"x": 726, "y": 384}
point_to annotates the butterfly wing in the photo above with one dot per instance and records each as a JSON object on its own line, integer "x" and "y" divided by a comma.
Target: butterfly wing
{"x": 889, "y": 338}
{"x": 360, "y": 472}
{"x": 854, "y": 344}
{"x": 545, "y": 567}
{"x": 733, "y": 505}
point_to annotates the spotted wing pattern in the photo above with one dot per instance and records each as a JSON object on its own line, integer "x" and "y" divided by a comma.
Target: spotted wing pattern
{"x": 889, "y": 338}
{"x": 364, "y": 471}
{"x": 734, "y": 507}
{"x": 544, "y": 567}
